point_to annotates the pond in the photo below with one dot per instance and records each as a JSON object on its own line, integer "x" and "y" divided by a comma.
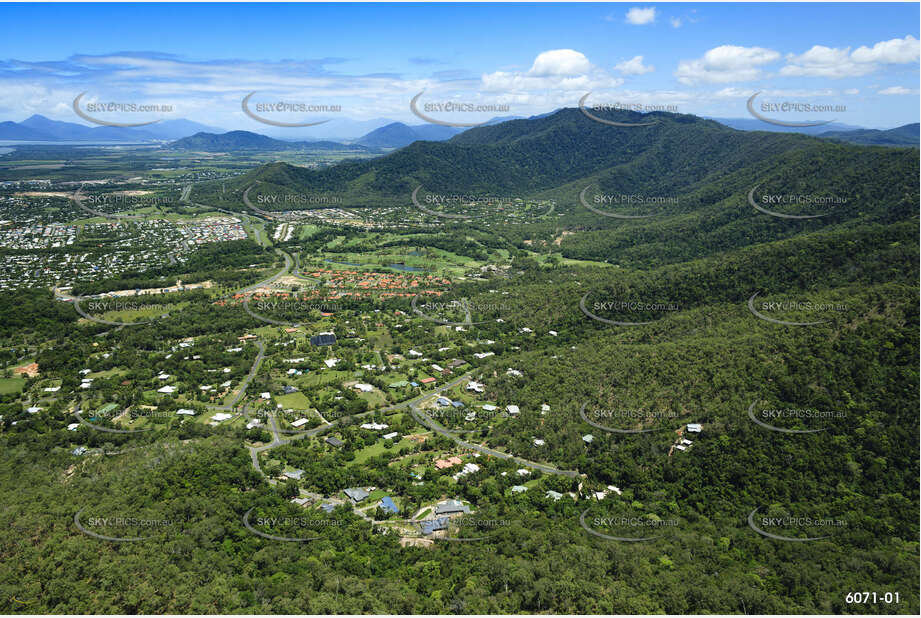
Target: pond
{"x": 404, "y": 267}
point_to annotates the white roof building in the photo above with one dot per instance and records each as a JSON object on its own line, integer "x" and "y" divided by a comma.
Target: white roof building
{"x": 695, "y": 427}
{"x": 475, "y": 386}
{"x": 512, "y": 409}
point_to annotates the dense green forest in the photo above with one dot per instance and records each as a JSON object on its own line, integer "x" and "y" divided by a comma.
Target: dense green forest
{"x": 565, "y": 333}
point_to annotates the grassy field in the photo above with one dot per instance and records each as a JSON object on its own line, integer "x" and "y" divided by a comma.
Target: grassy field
{"x": 11, "y": 385}
{"x": 377, "y": 449}
{"x": 295, "y": 401}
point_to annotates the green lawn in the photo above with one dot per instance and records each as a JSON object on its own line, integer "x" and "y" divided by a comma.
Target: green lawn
{"x": 11, "y": 385}
{"x": 377, "y": 449}
{"x": 296, "y": 401}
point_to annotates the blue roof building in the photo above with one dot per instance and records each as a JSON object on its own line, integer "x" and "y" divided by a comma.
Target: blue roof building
{"x": 432, "y": 525}
{"x": 387, "y": 504}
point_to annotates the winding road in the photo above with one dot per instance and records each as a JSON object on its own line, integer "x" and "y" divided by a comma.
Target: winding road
{"x": 421, "y": 417}
{"x": 241, "y": 391}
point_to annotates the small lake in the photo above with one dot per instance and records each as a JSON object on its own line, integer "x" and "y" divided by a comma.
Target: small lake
{"x": 401, "y": 267}
{"x": 404, "y": 267}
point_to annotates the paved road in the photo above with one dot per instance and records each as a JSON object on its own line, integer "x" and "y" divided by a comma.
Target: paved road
{"x": 263, "y": 213}
{"x": 289, "y": 262}
{"x": 245, "y": 383}
{"x": 277, "y": 441}
{"x": 76, "y": 197}
{"x": 426, "y": 420}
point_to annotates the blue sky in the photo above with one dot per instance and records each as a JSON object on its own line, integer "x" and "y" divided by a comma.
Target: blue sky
{"x": 371, "y": 59}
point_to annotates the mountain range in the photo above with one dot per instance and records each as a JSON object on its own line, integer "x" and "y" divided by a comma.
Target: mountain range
{"x": 532, "y": 156}
{"x": 40, "y": 128}
{"x": 393, "y": 135}
{"x": 246, "y": 140}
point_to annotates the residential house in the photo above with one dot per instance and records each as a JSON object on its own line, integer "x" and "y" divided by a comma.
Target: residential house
{"x": 356, "y": 494}
{"x": 451, "y": 507}
{"x": 387, "y": 504}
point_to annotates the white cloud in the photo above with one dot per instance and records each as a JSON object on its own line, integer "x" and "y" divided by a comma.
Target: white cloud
{"x": 675, "y": 22}
{"x": 634, "y": 66}
{"x": 732, "y": 92}
{"x": 893, "y": 90}
{"x": 560, "y": 62}
{"x": 724, "y": 64}
{"x": 894, "y": 51}
{"x": 557, "y": 69}
{"x": 821, "y": 61}
{"x": 852, "y": 91}
{"x": 641, "y": 17}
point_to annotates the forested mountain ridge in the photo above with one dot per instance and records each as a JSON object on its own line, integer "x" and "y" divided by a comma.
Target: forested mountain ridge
{"x": 521, "y": 158}
{"x": 247, "y": 140}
